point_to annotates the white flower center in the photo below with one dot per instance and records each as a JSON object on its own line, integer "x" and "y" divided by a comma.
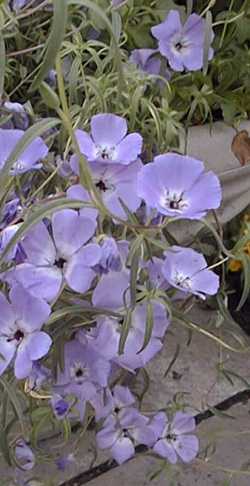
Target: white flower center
{"x": 78, "y": 372}
{"x": 105, "y": 152}
{"x": 18, "y": 165}
{"x": 173, "y": 201}
{"x": 182, "y": 280}
{"x": 180, "y": 44}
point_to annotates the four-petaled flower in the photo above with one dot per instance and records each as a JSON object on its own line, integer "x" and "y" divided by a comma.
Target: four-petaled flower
{"x": 109, "y": 142}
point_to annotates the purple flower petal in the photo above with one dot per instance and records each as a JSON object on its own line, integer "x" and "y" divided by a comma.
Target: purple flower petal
{"x": 110, "y": 290}
{"x": 44, "y": 282}
{"x": 38, "y": 345}
{"x": 122, "y": 450}
{"x": 23, "y": 363}
{"x": 24, "y": 455}
{"x": 7, "y": 352}
{"x": 86, "y": 144}
{"x": 71, "y": 231}
{"x": 78, "y": 273}
{"x": 38, "y": 246}
{"x": 31, "y": 312}
{"x": 182, "y": 423}
{"x": 108, "y": 128}
{"x": 166, "y": 450}
{"x": 79, "y": 193}
{"x": 129, "y": 148}
{"x": 187, "y": 447}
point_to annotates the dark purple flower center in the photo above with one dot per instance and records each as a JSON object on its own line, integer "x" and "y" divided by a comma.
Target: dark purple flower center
{"x": 174, "y": 204}
{"x": 116, "y": 410}
{"x": 79, "y": 373}
{"x": 102, "y": 186}
{"x": 61, "y": 407}
{"x": 19, "y": 335}
{"x": 178, "y": 46}
{"x": 60, "y": 262}
{"x": 172, "y": 437}
{"x": 104, "y": 154}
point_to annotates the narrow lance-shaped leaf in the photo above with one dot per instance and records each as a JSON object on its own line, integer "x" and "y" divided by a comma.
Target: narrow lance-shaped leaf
{"x": 207, "y": 41}
{"x": 2, "y": 63}
{"x": 246, "y": 288}
{"x": 148, "y": 326}
{"x": 12, "y": 393}
{"x": 126, "y": 325}
{"x": 101, "y": 14}
{"x": 54, "y": 41}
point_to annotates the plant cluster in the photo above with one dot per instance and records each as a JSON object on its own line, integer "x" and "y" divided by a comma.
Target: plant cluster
{"x": 92, "y": 181}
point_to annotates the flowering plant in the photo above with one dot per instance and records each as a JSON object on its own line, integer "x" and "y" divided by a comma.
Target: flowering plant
{"x": 93, "y": 184}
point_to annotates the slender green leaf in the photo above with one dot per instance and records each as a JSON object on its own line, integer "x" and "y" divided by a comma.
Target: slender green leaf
{"x": 116, "y": 25}
{"x": 49, "y": 96}
{"x": 4, "y": 445}
{"x": 2, "y": 63}
{"x": 149, "y": 326}
{"x": 207, "y": 40}
{"x": 10, "y": 390}
{"x": 246, "y": 289}
{"x": 54, "y": 41}
{"x": 189, "y": 7}
{"x": 126, "y": 325}
{"x": 173, "y": 360}
{"x": 101, "y": 14}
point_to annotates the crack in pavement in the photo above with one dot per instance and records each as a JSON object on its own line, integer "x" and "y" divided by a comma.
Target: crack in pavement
{"x": 95, "y": 472}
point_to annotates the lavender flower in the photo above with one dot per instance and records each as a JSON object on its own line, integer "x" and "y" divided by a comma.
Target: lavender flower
{"x": 66, "y": 461}
{"x": 120, "y": 434}
{"x": 115, "y": 182}
{"x": 110, "y": 256}
{"x": 174, "y": 439}
{"x": 186, "y": 270}
{"x": 108, "y": 334}
{"x": 60, "y": 406}
{"x": 19, "y": 119}
{"x": 24, "y": 455}
{"x": 109, "y": 142}
{"x": 182, "y": 45}
{"x": 85, "y": 372}
{"x": 177, "y": 186}
{"x": 5, "y": 236}
{"x": 63, "y": 256}
{"x": 29, "y": 159}
{"x": 115, "y": 402}
{"x": 146, "y": 60}
{"x": 21, "y": 337}
{"x": 38, "y": 376}
{"x": 9, "y": 212}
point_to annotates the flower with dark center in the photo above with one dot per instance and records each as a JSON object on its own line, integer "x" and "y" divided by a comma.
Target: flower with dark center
{"x": 183, "y": 45}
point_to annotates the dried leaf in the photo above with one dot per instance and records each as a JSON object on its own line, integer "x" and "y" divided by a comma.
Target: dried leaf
{"x": 241, "y": 147}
